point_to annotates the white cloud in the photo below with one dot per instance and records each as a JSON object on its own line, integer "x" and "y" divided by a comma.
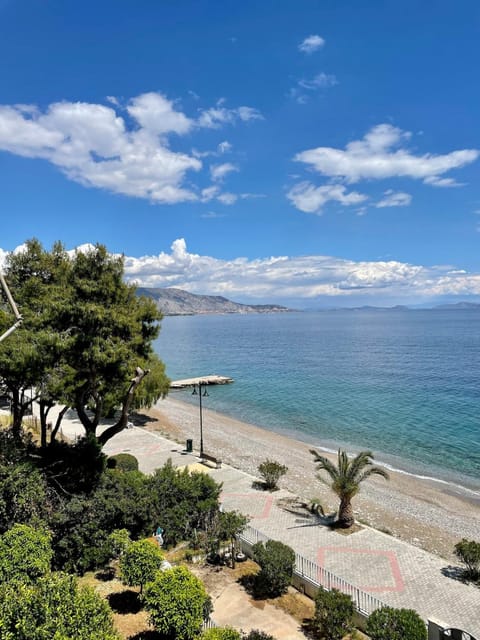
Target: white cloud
{"x": 209, "y": 193}
{"x": 443, "y": 182}
{"x": 394, "y": 199}
{"x": 280, "y": 278}
{"x": 376, "y": 157}
{"x": 306, "y": 197}
{"x": 297, "y": 278}
{"x": 227, "y": 198}
{"x": 94, "y": 145}
{"x": 219, "y": 171}
{"x": 217, "y": 116}
{"x": 157, "y": 115}
{"x": 224, "y": 147}
{"x": 320, "y": 81}
{"x": 311, "y": 44}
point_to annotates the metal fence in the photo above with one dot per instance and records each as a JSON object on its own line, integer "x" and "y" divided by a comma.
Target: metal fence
{"x": 320, "y": 577}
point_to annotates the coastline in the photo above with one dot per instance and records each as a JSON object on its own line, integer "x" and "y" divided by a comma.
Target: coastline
{"x": 426, "y": 512}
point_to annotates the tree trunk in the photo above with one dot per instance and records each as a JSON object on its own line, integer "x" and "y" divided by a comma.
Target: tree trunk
{"x": 58, "y": 423}
{"x": 122, "y": 422}
{"x": 345, "y": 514}
{"x": 17, "y": 414}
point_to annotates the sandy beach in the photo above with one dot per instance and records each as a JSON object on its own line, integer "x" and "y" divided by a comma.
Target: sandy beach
{"x": 429, "y": 514}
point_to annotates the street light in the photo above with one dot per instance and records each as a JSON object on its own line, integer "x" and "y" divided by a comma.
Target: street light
{"x": 200, "y": 394}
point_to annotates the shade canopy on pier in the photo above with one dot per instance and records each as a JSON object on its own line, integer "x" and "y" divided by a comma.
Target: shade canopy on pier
{"x": 190, "y": 382}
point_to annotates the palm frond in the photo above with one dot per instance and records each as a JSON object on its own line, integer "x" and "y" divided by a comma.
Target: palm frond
{"x": 361, "y": 460}
{"x": 324, "y": 464}
{"x": 374, "y": 471}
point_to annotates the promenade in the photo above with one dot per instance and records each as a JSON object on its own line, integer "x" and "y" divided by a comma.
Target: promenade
{"x": 396, "y": 573}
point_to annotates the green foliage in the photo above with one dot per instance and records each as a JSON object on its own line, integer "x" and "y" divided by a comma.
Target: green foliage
{"x": 54, "y": 608}
{"x": 468, "y": 551}
{"x": 83, "y": 335}
{"x": 81, "y": 525}
{"x": 140, "y": 563}
{"x": 123, "y": 462}
{"x": 23, "y": 495}
{"x": 388, "y": 623}
{"x": 334, "y": 613}
{"x": 346, "y": 477}
{"x": 277, "y": 561}
{"x": 119, "y": 541}
{"x": 271, "y": 472}
{"x": 183, "y": 502}
{"x": 25, "y": 554}
{"x": 256, "y": 634}
{"x": 176, "y": 602}
{"x": 221, "y": 633}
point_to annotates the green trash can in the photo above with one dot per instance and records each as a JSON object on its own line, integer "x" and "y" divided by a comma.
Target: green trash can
{"x": 189, "y": 445}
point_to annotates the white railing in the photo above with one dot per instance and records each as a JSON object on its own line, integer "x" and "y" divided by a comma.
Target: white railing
{"x": 306, "y": 569}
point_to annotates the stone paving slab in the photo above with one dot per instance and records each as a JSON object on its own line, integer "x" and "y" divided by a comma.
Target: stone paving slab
{"x": 394, "y": 571}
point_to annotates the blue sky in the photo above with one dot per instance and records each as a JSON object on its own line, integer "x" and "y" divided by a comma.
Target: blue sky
{"x": 315, "y": 153}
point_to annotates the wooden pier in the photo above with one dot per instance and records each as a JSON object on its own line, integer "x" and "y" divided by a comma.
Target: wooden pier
{"x": 190, "y": 382}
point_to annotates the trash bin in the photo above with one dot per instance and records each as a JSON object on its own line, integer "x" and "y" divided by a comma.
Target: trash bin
{"x": 189, "y": 445}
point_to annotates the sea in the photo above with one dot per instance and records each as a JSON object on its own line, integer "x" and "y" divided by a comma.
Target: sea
{"x": 404, "y": 384}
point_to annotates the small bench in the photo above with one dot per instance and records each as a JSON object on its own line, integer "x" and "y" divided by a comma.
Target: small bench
{"x": 206, "y": 457}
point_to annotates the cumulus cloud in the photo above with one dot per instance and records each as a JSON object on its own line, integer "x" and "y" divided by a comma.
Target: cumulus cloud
{"x": 280, "y": 278}
{"x": 380, "y": 155}
{"x": 298, "y": 278}
{"x": 94, "y": 145}
{"x": 219, "y": 171}
{"x": 394, "y": 199}
{"x": 306, "y": 197}
{"x": 311, "y": 44}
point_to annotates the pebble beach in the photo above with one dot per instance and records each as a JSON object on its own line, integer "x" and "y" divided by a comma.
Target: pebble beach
{"x": 430, "y": 514}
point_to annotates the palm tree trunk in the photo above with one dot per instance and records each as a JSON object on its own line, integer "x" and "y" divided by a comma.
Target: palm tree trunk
{"x": 345, "y": 514}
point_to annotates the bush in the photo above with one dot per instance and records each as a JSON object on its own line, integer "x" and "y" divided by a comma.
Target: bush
{"x": 277, "y": 561}
{"x": 140, "y": 563}
{"x": 123, "y": 462}
{"x": 221, "y": 633}
{"x": 119, "y": 540}
{"x": 388, "y": 623}
{"x": 256, "y": 634}
{"x": 25, "y": 554}
{"x": 177, "y": 603}
{"x": 271, "y": 473}
{"x": 468, "y": 551}
{"x": 54, "y": 607}
{"x": 334, "y": 613}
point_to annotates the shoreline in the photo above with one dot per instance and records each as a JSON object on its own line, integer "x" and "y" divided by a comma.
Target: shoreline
{"x": 427, "y": 512}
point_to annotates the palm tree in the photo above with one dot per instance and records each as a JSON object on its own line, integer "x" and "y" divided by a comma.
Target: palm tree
{"x": 346, "y": 478}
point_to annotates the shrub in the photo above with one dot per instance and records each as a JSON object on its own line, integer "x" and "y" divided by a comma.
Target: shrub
{"x": 25, "y": 554}
{"x": 221, "y": 633}
{"x": 388, "y": 623}
{"x": 54, "y": 607}
{"x": 277, "y": 561}
{"x": 123, "y": 462}
{"x": 334, "y": 613}
{"x": 271, "y": 473}
{"x": 468, "y": 551}
{"x": 119, "y": 541}
{"x": 140, "y": 563}
{"x": 177, "y": 603}
{"x": 256, "y": 634}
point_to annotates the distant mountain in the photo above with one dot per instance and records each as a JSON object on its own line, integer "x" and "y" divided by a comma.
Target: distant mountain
{"x": 177, "y": 302}
{"x": 459, "y": 305}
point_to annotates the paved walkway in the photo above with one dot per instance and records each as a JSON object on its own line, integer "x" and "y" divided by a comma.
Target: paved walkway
{"x": 395, "y": 572}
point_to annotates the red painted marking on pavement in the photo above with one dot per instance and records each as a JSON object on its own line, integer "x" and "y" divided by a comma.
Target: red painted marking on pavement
{"x": 389, "y": 555}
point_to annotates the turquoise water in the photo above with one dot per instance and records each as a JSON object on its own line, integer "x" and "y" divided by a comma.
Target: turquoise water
{"x": 405, "y": 384}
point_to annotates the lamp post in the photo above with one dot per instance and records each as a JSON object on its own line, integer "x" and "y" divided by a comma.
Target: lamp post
{"x": 200, "y": 393}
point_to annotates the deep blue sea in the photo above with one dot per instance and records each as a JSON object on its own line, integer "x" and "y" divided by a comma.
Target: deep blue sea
{"x": 405, "y": 384}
